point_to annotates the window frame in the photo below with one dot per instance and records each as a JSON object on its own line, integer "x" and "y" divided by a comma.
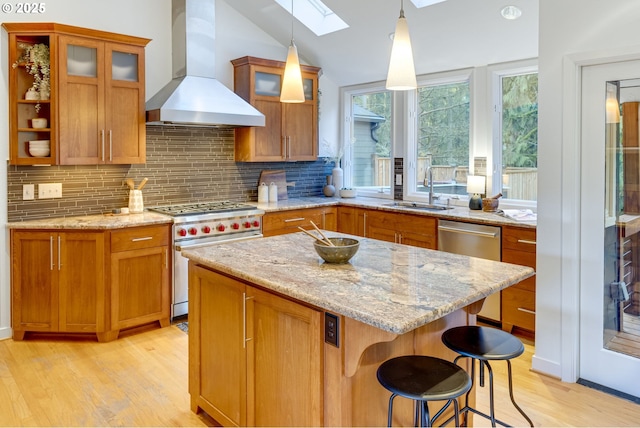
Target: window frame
{"x": 346, "y": 95}
{"x": 495, "y": 74}
{"x": 411, "y": 145}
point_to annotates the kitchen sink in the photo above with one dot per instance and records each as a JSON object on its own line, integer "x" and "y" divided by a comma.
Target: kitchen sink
{"x": 418, "y": 206}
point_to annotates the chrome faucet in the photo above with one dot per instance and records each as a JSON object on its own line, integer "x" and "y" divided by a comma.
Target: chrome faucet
{"x": 430, "y": 183}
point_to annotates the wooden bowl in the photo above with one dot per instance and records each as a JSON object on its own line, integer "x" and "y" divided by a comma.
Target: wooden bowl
{"x": 344, "y": 249}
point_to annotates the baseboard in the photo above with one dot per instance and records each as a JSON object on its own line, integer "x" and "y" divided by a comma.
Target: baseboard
{"x": 5, "y": 333}
{"x": 547, "y": 367}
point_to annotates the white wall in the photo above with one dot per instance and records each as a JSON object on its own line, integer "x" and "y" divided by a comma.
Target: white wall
{"x": 235, "y": 37}
{"x": 568, "y": 27}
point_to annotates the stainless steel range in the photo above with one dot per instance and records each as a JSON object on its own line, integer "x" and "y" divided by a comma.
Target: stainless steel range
{"x": 207, "y": 223}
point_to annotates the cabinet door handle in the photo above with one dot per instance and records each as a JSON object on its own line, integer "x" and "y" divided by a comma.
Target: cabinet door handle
{"x": 102, "y": 138}
{"x": 525, "y": 241}
{"x": 245, "y": 339}
{"x": 527, "y": 311}
{"x": 289, "y": 147}
{"x": 146, "y": 238}
{"x": 51, "y": 252}
{"x": 110, "y": 146}
{"x": 288, "y": 220}
{"x": 324, "y": 221}
{"x": 284, "y": 147}
{"x": 364, "y": 225}
{"x": 468, "y": 232}
{"x": 59, "y": 260}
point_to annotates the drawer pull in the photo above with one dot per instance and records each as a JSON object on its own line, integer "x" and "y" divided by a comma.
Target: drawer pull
{"x": 289, "y": 220}
{"x": 528, "y": 311}
{"x": 526, "y": 241}
{"x": 146, "y": 238}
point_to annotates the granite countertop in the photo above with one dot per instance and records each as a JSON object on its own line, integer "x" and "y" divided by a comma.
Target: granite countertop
{"x": 458, "y": 213}
{"x": 396, "y": 288}
{"x": 93, "y": 222}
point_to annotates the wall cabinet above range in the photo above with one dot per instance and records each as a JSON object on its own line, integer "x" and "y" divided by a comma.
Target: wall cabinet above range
{"x": 291, "y": 129}
{"x": 95, "y": 102}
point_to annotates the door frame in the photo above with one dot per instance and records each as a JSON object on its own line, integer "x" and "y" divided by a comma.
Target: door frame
{"x": 571, "y": 202}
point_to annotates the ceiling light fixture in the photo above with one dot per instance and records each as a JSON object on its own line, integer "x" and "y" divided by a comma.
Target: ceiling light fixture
{"x": 292, "y": 89}
{"x": 511, "y": 12}
{"x": 402, "y": 72}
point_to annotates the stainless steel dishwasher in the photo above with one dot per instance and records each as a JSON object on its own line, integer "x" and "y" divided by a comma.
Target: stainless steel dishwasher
{"x": 473, "y": 240}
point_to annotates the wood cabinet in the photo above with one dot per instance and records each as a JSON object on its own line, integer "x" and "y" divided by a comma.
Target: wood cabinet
{"x": 58, "y": 282}
{"x": 519, "y": 300}
{"x": 291, "y": 129}
{"x": 288, "y": 221}
{"x": 97, "y": 282}
{"x": 255, "y": 358}
{"x": 352, "y": 220}
{"x": 96, "y": 110}
{"x": 140, "y": 277}
{"x": 416, "y": 230}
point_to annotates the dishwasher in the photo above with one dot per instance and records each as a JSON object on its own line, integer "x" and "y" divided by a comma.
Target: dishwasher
{"x": 473, "y": 240}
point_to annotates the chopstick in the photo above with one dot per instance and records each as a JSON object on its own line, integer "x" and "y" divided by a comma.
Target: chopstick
{"x": 322, "y": 234}
{"x": 315, "y": 237}
{"x": 144, "y": 181}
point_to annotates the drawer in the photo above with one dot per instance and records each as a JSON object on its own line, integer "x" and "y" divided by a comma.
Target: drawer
{"x": 140, "y": 237}
{"x": 518, "y": 308}
{"x": 289, "y": 221}
{"x": 519, "y": 239}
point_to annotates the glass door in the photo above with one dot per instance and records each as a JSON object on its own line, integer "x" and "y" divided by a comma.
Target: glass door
{"x": 610, "y": 227}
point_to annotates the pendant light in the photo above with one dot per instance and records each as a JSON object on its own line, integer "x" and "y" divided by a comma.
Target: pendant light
{"x": 292, "y": 89}
{"x": 402, "y": 72}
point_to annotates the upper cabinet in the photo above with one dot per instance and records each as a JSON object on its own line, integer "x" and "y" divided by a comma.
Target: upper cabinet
{"x": 291, "y": 129}
{"x": 95, "y": 103}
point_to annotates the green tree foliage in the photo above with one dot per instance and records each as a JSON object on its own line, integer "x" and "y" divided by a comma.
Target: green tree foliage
{"x": 520, "y": 121}
{"x": 443, "y": 123}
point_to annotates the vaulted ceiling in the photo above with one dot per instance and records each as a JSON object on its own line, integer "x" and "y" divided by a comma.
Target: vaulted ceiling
{"x": 445, "y": 36}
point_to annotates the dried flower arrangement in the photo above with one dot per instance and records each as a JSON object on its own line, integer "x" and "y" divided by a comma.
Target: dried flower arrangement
{"x": 36, "y": 60}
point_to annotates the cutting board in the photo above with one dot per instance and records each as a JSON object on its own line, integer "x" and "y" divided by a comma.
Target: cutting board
{"x": 279, "y": 177}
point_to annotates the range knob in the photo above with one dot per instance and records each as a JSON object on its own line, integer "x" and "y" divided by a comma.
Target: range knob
{"x": 206, "y": 229}
{"x": 182, "y": 232}
{"x": 256, "y": 223}
{"x": 221, "y": 227}
{"x": 235, "y": 226}
{"x": 193, "y": 231}
{"x": 247, "y": 224}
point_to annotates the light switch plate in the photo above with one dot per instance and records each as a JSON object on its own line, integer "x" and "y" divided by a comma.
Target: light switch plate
{"x": 49, "y": 190}
{"x": 28, "y": 192}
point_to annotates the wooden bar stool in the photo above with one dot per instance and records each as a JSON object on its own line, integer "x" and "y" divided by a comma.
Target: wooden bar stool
{"x": 485, "y": 344}
{"x": 423, "y": 379}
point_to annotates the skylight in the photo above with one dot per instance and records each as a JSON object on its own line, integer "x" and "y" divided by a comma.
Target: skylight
{"x": 423, "y": 3}
{"x": 316, "y": 16}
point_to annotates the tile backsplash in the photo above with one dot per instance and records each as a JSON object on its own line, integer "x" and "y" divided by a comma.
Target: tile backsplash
{"x": 183, "y": 165}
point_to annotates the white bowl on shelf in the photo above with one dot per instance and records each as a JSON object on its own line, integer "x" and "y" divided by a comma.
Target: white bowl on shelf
{"x": 39, "y": 122}
{"x": 39, "y": 148}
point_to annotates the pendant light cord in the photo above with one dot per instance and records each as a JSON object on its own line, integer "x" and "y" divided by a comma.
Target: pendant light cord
{"x": 401, "y": 8}
{"x": 292, "y": 21}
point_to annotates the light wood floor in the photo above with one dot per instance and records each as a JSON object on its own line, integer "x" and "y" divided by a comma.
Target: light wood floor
{"x": 627, "y": 341}
{"x": 141, "y": 380}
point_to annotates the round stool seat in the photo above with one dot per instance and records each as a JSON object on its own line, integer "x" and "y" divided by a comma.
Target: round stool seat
{"x": 483, "y": 343}
{"x": 423, "y": 378}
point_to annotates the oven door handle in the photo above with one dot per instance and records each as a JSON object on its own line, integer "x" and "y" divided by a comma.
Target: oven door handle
{"x": 179, "y": 247}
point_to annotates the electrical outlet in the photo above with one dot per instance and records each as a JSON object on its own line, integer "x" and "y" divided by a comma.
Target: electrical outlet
{"x": 28, "y": 192}
{"x": 331, "y": 329}
{"x": 49, "y": 190}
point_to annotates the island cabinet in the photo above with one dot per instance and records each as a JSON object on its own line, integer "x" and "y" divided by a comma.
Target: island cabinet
{"x": 89, "y": 281}
{"x": 94, "y": 100}
{"x": 255, "y": 358}
{"x": 58, "y": 282}
{"x": 519, "y": 300}
{"x": 291, "y": 129}
{"x": 352, "y": 220}
{"x": 288, "y": 221}
{"x": 140, "y": 277}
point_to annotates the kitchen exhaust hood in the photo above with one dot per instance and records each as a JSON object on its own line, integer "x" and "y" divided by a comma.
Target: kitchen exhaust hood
{"x": 194, "y": 97}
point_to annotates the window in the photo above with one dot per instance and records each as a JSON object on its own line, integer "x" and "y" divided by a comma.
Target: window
{"x": 442, "y": 130}
{"x": 517, "y": 116}
{"x": 369, "y": 155}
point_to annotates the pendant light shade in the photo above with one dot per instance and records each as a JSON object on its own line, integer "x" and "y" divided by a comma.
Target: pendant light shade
{"x": 292, "y": 89}
{"x": 402, "y": 72}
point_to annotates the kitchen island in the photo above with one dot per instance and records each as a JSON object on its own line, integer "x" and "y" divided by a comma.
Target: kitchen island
{"x": 278, "y": 337}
